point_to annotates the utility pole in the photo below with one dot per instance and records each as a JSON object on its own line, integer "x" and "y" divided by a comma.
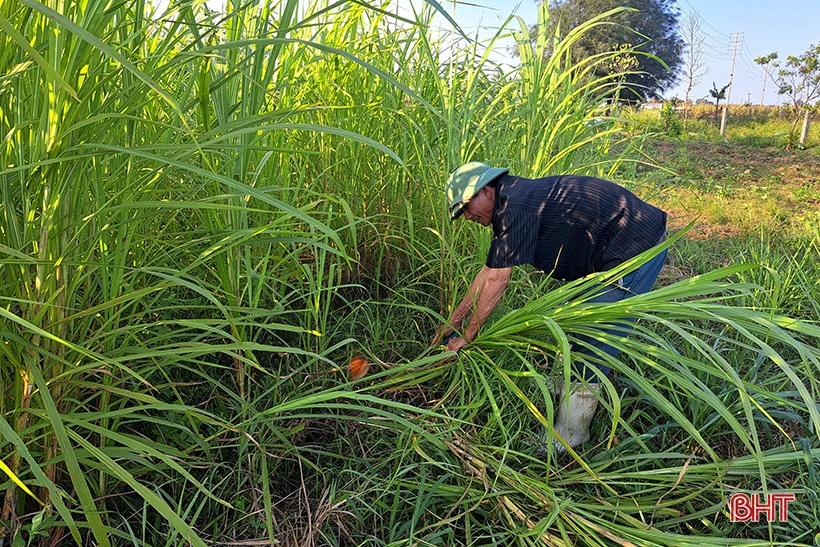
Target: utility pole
{"x": 766, "y": 63}
{"x": 733, "y": 49}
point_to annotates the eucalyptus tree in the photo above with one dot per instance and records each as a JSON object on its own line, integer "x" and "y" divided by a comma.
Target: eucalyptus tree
{"x": 652, "y": 25}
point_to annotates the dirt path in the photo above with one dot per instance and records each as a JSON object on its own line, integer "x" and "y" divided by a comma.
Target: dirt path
{"x": 730, "y": 190}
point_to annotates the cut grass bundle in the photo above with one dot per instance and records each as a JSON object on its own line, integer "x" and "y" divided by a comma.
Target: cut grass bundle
{"x": 698, "y": 371}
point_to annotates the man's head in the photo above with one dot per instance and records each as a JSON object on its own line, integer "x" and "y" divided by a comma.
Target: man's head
{"x": 467, "y": 191}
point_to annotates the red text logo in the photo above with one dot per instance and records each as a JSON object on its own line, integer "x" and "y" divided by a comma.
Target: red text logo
{"x": 744, "y": 507}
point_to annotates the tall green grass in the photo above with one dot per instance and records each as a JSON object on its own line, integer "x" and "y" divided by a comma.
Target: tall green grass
{"x": 206, "y": 214}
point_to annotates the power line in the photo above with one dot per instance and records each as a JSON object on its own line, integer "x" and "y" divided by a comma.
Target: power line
{"x": 750, "y": 59}
{"x": 722, "y": 35}
{"x": 716, "y": 42}
{"x": 747, "y": 66}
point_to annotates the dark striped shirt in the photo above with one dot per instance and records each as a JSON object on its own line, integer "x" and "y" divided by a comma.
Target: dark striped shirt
{"x": 570, "y": 226}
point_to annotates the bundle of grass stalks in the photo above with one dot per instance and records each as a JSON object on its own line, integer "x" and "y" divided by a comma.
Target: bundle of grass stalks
{"x": 207, "y": 214}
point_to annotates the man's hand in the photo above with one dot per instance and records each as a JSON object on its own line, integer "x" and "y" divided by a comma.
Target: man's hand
{"x": 441, "y": 336}
{"x": 453, "y": 343}
{"x": 483, "y": 295}
{"x": 456, "y": 344}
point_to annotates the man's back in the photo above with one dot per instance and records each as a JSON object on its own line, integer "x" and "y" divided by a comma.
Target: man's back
{"x": 570, "y": 225}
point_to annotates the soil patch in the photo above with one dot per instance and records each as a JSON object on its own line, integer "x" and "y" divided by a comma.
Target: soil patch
{"x": 729, "y": 190}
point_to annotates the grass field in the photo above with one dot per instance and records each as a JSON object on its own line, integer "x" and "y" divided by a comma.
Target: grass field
{"x": 206, "y": 216}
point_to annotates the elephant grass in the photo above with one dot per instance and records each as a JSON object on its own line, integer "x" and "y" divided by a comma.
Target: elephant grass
{"x": 205, "y": 214}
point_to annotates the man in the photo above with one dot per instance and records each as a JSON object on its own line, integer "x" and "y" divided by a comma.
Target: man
{"x": 568, "y": 226}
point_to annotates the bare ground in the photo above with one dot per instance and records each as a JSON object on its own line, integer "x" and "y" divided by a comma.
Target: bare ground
{"x": 730, "y": 190}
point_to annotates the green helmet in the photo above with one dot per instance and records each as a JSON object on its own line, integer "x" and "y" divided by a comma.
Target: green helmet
{"x": 466, "y": 181}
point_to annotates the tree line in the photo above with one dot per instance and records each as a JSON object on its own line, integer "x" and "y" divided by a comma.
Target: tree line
{"x": 659, "y": 46}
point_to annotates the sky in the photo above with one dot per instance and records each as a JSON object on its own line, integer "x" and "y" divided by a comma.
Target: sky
{"x": 787, "y": 27}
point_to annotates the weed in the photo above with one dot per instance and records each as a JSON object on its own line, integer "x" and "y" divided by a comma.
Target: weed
{"x": 671, "y": 124}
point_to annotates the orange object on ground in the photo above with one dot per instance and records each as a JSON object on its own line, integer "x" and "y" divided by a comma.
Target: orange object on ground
{"x": 358, "y": 367}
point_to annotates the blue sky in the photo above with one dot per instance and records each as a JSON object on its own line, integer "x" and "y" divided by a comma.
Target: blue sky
{"x": 788, "y": 27}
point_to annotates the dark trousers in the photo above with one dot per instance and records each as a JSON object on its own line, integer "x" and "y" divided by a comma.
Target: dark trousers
{"x": 636, "y": 282}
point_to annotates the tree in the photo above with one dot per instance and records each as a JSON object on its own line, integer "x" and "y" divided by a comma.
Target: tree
{"x": 800, "y": 78}
{"x": 800, "y": 81}
{"x": 718, "y": 94}
{"x": 694, "y": 61}
{"x": 766, "y": 62}
{"x": 652, "y": 24}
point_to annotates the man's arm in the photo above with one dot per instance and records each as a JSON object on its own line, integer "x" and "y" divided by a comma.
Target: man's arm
{"x": 482, "y": 297}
